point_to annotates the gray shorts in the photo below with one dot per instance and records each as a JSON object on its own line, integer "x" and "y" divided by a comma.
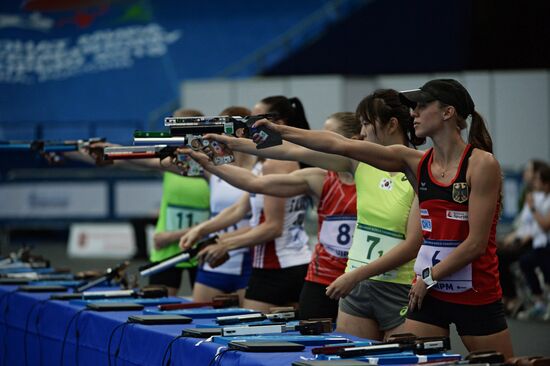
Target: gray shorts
{"x": 384, "y": 302}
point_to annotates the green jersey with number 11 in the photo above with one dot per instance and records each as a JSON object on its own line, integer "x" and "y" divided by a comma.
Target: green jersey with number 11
{"x": 185, "y": 202}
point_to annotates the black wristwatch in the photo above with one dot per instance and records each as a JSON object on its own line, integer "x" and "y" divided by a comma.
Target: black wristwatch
{"x": 427, "y": 277}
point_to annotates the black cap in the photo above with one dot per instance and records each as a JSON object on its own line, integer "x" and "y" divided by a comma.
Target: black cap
{"x": 448, "y": 91}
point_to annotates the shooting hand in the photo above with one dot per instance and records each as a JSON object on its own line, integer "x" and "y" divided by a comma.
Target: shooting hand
{"x": 342, "y": 286}
{"x": 417, "y": 293}
{"x": 268, "y": 124}
{"x": 198, "y": 156}
{"x": 189, "y": 238}
{"x": 213, "y": 254}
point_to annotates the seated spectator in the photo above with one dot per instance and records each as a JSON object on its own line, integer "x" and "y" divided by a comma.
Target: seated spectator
{"x": 517, "y": 242}
{"x": 539, "y": 256}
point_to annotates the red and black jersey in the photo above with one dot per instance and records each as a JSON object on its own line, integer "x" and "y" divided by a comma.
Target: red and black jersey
{"x": 445, "y": 225}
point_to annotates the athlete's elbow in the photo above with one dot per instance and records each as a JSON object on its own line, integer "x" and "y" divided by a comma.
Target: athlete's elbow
{"x": 275, "y": 231}
{"x": 257, "y": 187}
{"x": 478, "y": 248}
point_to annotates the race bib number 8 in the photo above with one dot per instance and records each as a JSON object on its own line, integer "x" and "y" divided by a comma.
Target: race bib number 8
{"x": 183, "y": 217}
{"x": 336, "y": 235}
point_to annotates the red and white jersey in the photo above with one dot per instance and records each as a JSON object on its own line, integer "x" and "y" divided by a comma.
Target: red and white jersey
{"x": 337, "y": 216}
{"x": 291, "y": 248}
{"x": 445, "y": 225}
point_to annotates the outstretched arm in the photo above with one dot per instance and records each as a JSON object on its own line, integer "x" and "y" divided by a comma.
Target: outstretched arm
{"x": 397, "y": 256}
{"x": 89, "y": 156}
{"x": 288, "y": 151}
{"x": 303, "y": 181}
{"x": 394, "y": 158}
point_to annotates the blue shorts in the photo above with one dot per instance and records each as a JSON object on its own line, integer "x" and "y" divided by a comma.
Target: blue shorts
{"x": 226, "y": 282}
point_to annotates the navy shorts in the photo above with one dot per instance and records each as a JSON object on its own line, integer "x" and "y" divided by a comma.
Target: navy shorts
{"x": 227, "y": 283}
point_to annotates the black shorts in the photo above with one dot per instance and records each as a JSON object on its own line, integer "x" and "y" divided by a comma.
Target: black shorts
{"x": 314, "y": 303}
{"x": 276, "y": 286}
{"x": 172, "y": 277}
{"x": 470, "y": 320}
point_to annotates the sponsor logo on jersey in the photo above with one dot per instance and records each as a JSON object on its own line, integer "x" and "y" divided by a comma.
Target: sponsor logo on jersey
{"x": 426, "y": 224}
{"x": 460, "y": 192}
{"x": 424, "y": 212}
{"x": 386, "y": 184}
{"x": 423, "y": 186}
{"x": 457, "y": 215}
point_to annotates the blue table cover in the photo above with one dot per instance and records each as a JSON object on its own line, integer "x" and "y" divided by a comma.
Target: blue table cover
{"x": 37, "y": 331}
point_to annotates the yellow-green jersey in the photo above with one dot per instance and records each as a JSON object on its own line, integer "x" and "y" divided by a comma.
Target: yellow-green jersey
{"x": 185, "y": 202}
{"x": 383, "y": 204}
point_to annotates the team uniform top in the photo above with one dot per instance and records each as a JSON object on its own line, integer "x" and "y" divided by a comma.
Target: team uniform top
{"x": 337, "y": 215}
{"x": 184, "y": 203}
{"x": 223, "y": 195}
{"x": 291, "y": 248}
{"x": 444, "y": 219}
{"x": 383, "y": 204}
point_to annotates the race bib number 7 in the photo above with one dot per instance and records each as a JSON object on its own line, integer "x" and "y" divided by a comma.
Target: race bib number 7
{"x": 369, "y": 244}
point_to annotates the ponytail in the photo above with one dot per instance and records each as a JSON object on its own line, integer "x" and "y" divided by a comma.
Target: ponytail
{"x": 300, "y": 120}
{"x": 479, "y": 135}
{"x": 290, "y": 110}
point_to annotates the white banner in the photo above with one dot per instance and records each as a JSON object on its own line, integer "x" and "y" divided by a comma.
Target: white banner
{"x": 54, "y": 200}
{"x": 116, "y": 241}
{"x": 25, "y": 61}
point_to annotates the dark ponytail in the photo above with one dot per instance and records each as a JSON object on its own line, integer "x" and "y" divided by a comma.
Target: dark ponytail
{"x": 479, "y": 135}
{"x": 290, "y": 110}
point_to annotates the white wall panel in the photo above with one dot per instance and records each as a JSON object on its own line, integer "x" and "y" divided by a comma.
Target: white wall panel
{"x": 480, "y": 87}
{"x": 401, "y": 82}
{"x": 522, "y": 117}
{"x": 355, "y": 90}
{"x": 210, "y": 97}
{"x": 321, "y": 96}
{"x": 249, "y": 92}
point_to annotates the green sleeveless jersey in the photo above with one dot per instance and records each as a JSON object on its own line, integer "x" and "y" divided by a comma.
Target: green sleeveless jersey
{"x": 383, "y": 205}
{"x": 185, "y": 202}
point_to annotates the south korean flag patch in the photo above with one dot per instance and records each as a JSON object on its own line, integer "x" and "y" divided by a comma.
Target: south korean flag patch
{"x": 386, "y": 184}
